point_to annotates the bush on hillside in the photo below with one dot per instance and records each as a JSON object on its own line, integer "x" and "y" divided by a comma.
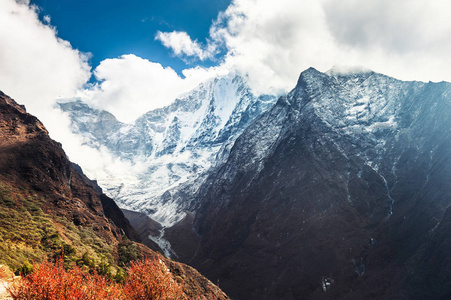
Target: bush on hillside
{"x": 52, "y": 281}
{"x": 151, "y": 279}
{"x": 148, "y": 279}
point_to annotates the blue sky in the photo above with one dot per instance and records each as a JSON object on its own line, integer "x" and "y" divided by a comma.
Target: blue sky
{"x": 111, "y": 28}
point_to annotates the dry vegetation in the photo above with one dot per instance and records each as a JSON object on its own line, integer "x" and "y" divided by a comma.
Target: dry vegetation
{"x": 148, "y": 279}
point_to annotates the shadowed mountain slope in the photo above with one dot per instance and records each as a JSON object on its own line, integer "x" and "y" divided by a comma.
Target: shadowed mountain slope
{"x": 339, "y": 191}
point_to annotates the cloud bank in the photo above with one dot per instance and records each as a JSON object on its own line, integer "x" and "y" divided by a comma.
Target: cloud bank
{"x": 273, "y": 41}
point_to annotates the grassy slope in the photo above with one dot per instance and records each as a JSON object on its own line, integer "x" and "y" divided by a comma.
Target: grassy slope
{"x": 28, "y": 234}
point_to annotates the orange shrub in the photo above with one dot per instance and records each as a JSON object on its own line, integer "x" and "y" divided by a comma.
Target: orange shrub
{"x": 151, "y": 279}
{"x": 145, "y": 280}
{"x": 52, "y": 282}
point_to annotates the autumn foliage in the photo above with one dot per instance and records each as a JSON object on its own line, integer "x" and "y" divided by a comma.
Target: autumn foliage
{"x": 151, "y": 279}
{"x": 148, "y": 279}
{"x": 53, "y": 282}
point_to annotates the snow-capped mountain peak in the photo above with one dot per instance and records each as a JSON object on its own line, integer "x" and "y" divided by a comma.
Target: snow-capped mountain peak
{"x": 176, "y": 144}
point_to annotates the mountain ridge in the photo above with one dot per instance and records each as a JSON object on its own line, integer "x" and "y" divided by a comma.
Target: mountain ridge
{"x": 334, "y": 196}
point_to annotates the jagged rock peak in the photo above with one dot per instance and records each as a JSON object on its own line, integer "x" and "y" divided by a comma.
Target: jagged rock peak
{"x": 16, "y": 116}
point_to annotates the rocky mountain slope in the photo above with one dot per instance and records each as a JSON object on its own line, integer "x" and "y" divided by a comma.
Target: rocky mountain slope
{"x": 33, "y": 162}
{"x": 48, "y": 208}
{"x": 340, "y": 191}
{"x": 170, "y": 149}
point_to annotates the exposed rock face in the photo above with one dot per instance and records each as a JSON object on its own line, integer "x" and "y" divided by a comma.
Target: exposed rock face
{"x": 173, "y": 146}
{"x": 338, "y": 191}
{"x": 114, "y": 213}
{"x": 144, "y": 226}
{"x": 110, "y": 208}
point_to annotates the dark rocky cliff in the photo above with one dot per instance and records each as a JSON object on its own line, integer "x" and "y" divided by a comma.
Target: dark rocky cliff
{"x": 339, "y": 191}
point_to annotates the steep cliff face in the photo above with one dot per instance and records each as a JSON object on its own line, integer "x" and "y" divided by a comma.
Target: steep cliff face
{"x": 171, "y": 148}
{"x": 49, "y": 208}
{"x": 30, "y": 159}
{"x": 337, "y": 192}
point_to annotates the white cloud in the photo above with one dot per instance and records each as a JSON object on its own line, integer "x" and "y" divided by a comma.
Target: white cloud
{"x": 182, "y": 44}
{"x": 47, "y": 19}
{"x": 274, "y": 41}
{"x": 36, "y": 66}
{"x": 130, "y": 86}
{"x": 408, "y": 39}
